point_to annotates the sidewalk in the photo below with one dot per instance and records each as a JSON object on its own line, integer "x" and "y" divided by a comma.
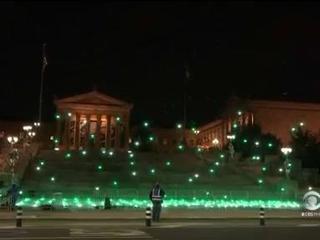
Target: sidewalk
{"x": 135, "y": 214}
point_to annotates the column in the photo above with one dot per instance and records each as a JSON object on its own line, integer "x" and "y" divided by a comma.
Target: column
{"x": 87, "y": 135}
{"x": 127, "y": 132}
{"x": 58, "y": 129}
{"x": 117, "y": 135}
{"x": 98, "y": 133}
{"x": 108, "y": 130}
{"x": 66, "y": 133}
{"x": 77, "y": 131}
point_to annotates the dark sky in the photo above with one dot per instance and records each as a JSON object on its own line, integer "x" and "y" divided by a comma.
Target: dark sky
{"x": 137, "y": 52}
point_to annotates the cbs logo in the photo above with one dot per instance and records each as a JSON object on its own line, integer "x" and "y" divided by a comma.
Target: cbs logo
{"x": 311, "y": 200}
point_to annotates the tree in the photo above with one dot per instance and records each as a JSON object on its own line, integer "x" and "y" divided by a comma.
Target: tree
{"x": 306, "y": 148}
{"x": 251, "y": 141}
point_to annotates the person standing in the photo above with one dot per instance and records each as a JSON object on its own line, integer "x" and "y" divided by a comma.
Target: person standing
{"x": 156, "y": 195}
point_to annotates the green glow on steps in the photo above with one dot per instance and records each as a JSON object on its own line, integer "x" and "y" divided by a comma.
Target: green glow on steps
{"x": 77, "y": 202}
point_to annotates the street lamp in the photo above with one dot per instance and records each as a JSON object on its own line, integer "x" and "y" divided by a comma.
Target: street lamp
{"x": 286, "y": 151}
{"x": 13, "y": 155}
{"x": 215, "y": 142}
{"x": 31, "y": 134}
{"x": 231, "y": 136}
{"x": 12, "y": 140}
{"x": 27, "y": 128}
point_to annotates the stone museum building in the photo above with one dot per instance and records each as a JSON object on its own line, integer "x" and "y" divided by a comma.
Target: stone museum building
{"x": 92, "y": 119}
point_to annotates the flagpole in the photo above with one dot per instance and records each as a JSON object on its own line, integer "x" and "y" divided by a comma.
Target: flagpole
{"x": 44, "y": 63}
{"x": 187, "y": 75}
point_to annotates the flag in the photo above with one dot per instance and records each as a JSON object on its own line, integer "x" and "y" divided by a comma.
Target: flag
{"x": 44, "y": 57}
{"x": 187, "y": 73}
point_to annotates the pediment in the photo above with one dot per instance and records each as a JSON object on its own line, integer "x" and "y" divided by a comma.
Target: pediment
{"x": 92, "y": 98}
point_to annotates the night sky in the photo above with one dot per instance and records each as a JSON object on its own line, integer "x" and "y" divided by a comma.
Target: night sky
{"x": 138, "y": 52}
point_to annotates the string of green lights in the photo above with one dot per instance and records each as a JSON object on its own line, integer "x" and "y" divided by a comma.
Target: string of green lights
{"x": 77, "y": 202}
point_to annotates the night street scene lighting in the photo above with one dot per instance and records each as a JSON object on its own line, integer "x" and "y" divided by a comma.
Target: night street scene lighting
{"x": 152, "y": 119}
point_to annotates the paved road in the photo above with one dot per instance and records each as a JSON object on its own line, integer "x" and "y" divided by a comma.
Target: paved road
{"x": 186, "y": 230}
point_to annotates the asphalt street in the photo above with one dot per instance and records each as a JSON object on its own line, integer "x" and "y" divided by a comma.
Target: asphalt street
{"x": 186, "y": 230}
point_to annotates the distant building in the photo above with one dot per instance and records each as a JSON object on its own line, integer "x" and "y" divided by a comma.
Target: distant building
{"x": 275, "y": 117}
{"x": 92, "y": 119}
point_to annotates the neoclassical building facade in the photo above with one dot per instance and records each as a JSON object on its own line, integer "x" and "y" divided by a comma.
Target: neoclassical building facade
{"x": 92, "y": 120}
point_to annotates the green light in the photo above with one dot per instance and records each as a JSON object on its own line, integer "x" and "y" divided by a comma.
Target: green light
{"x": 42, "y": 163}
{"x": 221, "y": 155}
{"x": 110, "y": 153}
{"x": 293, "y": 129}
{"x": 53, "y": 179}
{"x": 132, "y": 163}
{"x": 245, "y": 140}
{"x": 190, "y": 180}
{"x": 179, "y": 125}
{"x": 282, "y": 189}
{"x": 146, "y": 124}
{"x": 270, "y": 145}
{"x": 134, "y": 173}
{"x": 301, "y": 124}
{"x": 235, "y": 125}
{"x": 68, "y": 155}
{"x": 103, "y": 151}
{"x": 199, "y": 149}
{"x": 256, "y": 157}
{"x": 56, "y": 141}
{"x": 92, "y": 136}
{"x": 309, "y": 188}
{"x": 20, "y": 192}
{"x": 152, "y": 171}
{"x": 257, "y": 143}
{"x": 217, "y": 163}
{"x": 115, "y": 183}
{"x": 97, "y": 188}
{"x": 263, "y": 169}
{"x": 225, "y": 196}
{"x": 180, "y": 147}
{"x": 38, "y": 168}
{"x": 260, "y": 181}
{"x": 168, "y": 163}
{"x": 118, "y": 119}
{"x": 211, "y": 170}
{"x": 100, "y": 167}
{"x": 196, "y": 175}
{"x": 280, "y": 170}
{"x": 207, "y": 193}
{"x": 52, "y": 138}
{"x": 131, "y": 155}
{"x": 195, "y": 202}
{"x": 137, "y": 143}
{"x": 84, "y": 152}
{"x": 151, "y": 138}
{"x": 289, "y": 164}
{"x": 69, "y": 114}
{"x": 239, "y": 113}
{"x": 58, "y": 116}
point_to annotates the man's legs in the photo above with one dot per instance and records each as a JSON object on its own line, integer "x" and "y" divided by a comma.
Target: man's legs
{"x": 158, "y": 211}
{"x": 154, "y": 210}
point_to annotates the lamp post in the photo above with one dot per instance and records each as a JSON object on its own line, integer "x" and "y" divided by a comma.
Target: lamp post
{"x": 13, "y": 155}
{"x": 287, "y": 165}
{"x": 215, "y": 142}
{"x": 231, "y": 137}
